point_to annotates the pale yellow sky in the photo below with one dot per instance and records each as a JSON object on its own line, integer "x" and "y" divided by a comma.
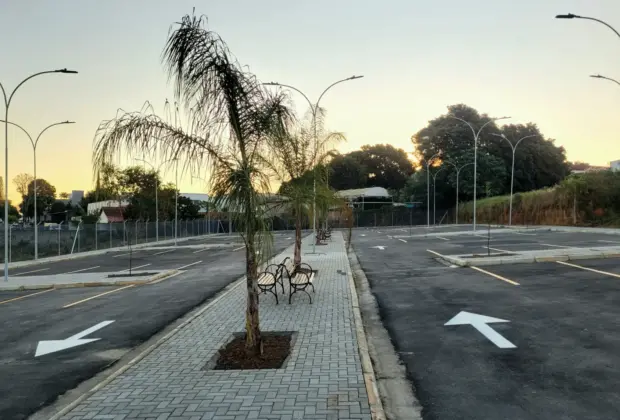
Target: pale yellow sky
{"x": 501, "y": 57}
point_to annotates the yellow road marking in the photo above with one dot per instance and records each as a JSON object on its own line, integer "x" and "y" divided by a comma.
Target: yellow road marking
{"x": 96, "y": 296}
{"x": 497, "y": 276}
{"x": 556, "y": 246}
{"x": 135, "y": 268}
{"x": 2, "y": 302}
{"x": 607, "y": 273}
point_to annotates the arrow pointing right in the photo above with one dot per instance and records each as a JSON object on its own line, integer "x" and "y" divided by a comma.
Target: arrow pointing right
{"x": 480, "y": 322}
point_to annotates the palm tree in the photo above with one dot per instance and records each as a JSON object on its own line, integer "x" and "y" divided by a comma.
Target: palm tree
{"x": 231, "y": 116}
{"x": 298, "y": 159}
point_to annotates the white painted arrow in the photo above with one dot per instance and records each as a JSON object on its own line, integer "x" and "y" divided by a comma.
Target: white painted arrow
{"x": 480, "y": 322}
{"x": 381, "y": 247}
{"x": 52, "y": 346}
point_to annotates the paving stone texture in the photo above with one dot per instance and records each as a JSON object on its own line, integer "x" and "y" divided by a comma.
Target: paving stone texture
{"x": 321, "y": 380}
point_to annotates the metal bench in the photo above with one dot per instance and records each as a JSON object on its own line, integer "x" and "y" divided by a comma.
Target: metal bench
{"x": 299, "y": 277}
{"x": 268, "y": 280}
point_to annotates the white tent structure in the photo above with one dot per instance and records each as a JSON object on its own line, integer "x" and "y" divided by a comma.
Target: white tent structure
{"x": 365, "y": 195}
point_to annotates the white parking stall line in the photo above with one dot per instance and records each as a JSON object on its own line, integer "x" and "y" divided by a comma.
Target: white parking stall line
{"x": 189, "y": 265}
{"x": 69, "y": 305}
{"x": 163, "y": 252}
{"x": 33, "y": 271}
{"x": 121, "y": 255}
{"x": 556, "y": 246}
{"x": 402, "y": 240}
{"x": 521, "y": 233}
{"x": 134, "y": 268}
{"x": 441, "y": 237}
{"x": 609, "y": 242}
{"x": 237, "y": 249}
{"x": 82, "y": 269}
{"x": 606, "y": 273}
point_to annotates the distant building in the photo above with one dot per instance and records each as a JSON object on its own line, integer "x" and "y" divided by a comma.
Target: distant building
{"x": 365, "y": 198}
{"x": 95, "y": 208}
{"x": 198, "y": 198}
{"x": 111, "y": 215}
{"x": 614, "y": 165}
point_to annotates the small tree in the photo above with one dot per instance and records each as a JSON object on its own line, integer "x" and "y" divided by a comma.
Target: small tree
{"x": 231, "y": 118}
{"x": 300, "y": 164}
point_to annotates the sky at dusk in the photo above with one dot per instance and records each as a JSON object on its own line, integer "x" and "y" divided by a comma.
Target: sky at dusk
{"x": 501, "y": 57}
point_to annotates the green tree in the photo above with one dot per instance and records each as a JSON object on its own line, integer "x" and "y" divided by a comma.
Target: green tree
{"x": 299, "y": 163}
{"x": 538, "y": 162}
{"x": 13, "y": 213}
{"x": 46, "y": 196}
{"x": 58, "y": 212}
{"x": 386, "y": 166}
{"x": 225, "y": 98}
{"x": 347, "y": 172}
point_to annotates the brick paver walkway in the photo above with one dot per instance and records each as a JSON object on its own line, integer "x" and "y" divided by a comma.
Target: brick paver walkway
{"x": 322, "y": 379}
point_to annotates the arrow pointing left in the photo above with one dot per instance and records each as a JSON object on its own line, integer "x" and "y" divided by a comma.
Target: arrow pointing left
{"x": 52, "y": 346}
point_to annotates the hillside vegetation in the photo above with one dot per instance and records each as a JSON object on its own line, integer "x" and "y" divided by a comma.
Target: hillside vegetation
{"x": 589, "y": 199}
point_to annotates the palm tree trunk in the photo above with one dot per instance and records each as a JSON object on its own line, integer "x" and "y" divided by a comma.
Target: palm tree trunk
{"x": 297, "y": 255}
{"x": 253, "y": 341}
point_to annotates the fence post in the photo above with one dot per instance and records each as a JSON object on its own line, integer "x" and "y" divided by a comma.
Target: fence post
{"x": 146, "y": 231}
{"x": 124, "y": 231}
{"x": 10, "y": 241}
{"x": 110, "y": 230}
{"x": 96, "y": 240}
{"x": 59, "y": 230}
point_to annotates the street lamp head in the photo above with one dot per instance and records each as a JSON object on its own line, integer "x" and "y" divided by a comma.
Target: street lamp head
{"x": 68, "y": 122}
{"x": 567, "y": 16}
{"x": 501, "y": 118}
{"x": 597, "y": 76}
{"x": 65, "y": 71}
{"x": 355, "y": 77}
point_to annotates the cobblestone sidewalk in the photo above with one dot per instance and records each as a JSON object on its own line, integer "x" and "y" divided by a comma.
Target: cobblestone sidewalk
{"x": 322, "y": 380}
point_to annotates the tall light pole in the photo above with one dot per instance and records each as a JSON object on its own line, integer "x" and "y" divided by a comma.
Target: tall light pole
{"x": 34, "y": 144}
{"x": 458, "y": 172}
{"x": 513, "y": 147}
{"x": 572, "y": 16}
{"x": 7, "y": 104}
{"x": 598, "y": 76}
{"x": 476, "y": 136}
{"x": 314, "y": 108}
{"x": 428, "y": 189}
{"x": 435, "y": 194}
{"x": 156, "y": 170}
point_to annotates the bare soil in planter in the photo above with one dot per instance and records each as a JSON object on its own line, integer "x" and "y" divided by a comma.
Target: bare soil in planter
{"x": 276, "y": 349}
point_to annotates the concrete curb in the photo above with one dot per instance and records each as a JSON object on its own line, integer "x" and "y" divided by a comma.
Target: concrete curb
{"x": 374, "y": 399}
{"x": 397, "y": 392}
{"x": 156, "y": 277}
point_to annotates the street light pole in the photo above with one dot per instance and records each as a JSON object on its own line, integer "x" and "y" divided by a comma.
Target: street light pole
{"x": 314, "y": 108}
{"x": 476, "y": 136}
{"x": 34, "y": 144}
{"x": 512, "y": 171}
{"x": 156, "y": 192}
{"x": 572, "y": 16}
{"x": 598, "y": 76}
{"x": 458, "y": 171}
{"x": 428, "y": 190}
{"x": 7, "y": 104}
{"x": 435, "y": 194}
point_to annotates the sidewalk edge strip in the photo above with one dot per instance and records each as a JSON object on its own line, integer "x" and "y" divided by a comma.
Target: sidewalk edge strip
{"x": 374, "y": 399}
{"x": 68, "y": 408}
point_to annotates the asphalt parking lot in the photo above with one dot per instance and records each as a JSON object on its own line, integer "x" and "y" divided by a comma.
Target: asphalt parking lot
{"x": 523, "y": 341}
{"x": 121, "y": 318}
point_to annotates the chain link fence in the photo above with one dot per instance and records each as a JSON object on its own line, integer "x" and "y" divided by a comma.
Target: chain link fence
{"x": 386, "y": 216}
{"x": 63, "y": 239}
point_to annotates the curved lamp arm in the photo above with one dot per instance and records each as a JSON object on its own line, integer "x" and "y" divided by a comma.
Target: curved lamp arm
{"x": 598, "y": 76}
{"x": 572, "y": 16}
